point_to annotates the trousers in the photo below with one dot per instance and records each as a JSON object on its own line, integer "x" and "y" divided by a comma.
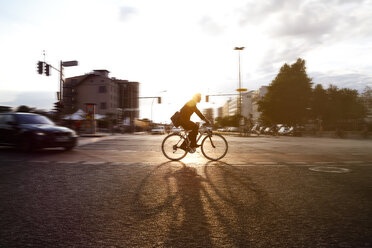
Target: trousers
{"x": 189, "y": 125}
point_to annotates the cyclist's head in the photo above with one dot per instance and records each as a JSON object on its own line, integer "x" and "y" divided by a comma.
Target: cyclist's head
{"x": 197, "y": 97}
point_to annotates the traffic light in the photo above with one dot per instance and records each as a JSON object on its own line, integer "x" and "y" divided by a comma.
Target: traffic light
{"x": 40, "y": 67}
{"x": 159, "y": 99}
{"x": 58, "y": 106}
{"x": 47, "y": 69}
{"x": 206, "y": 98}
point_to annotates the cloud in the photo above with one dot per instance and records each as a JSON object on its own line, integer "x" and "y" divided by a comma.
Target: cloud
{"x": 316, "y": 21}
{"x": 210, "y": 26}
{"x": 126, "y": 13}
{"x": 300, "y": 29}
{"x": 258, "y": 12}
{"x": 356, "y": 81}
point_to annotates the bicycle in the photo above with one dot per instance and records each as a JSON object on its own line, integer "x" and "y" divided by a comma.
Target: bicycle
{"x": 213, "y": 146}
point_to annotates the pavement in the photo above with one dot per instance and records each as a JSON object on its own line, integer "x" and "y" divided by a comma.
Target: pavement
{"x": 120, "y": 191}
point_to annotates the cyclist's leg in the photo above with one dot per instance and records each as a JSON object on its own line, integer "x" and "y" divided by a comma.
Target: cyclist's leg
{"x": 189, "y": 125}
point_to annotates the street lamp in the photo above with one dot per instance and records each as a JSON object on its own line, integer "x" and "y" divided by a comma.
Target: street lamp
{"x": 240, "y": 89}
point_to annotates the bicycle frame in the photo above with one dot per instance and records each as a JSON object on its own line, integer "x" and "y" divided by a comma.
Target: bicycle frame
{"x": 203, "y": 129}
{"x": 176, "y": 140}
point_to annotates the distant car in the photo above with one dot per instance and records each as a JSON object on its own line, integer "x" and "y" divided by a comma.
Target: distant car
{"x": 176, "y": 129}
{"x": 158, "y": 130}
{"x": 28, "y": 132}
{"x": 233, "y": 129}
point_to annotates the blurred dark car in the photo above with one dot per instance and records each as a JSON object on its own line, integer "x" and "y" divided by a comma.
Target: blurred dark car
{"x": 27, "y": 132}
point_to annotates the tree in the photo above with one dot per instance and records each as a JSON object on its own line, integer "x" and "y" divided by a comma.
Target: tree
{"x": 288, "y": 97}
{"x": 343, "y": 104}
{"x": 227, "y": 121}
{"x": 319, "y": 103}
{"x": 24, "y": 108}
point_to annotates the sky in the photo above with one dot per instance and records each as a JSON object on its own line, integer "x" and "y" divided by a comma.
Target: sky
{"x": 176, "y": 48}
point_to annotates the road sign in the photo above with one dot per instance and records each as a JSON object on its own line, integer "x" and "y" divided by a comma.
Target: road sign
{"x": 241, "y": 89}
{"x": 69, "y": 63}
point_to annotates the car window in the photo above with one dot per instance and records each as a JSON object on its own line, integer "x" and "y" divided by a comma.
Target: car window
{"x": 33, "y": 119}
{"x": 4, "y": 119}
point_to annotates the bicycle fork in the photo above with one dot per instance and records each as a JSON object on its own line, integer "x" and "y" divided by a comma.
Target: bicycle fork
{"x": 210, "y": 138}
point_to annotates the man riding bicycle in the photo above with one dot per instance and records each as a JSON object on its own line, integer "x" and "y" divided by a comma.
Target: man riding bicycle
{"x": 185, "y": 113}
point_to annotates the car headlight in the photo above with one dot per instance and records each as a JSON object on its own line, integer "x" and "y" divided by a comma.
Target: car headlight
{"x": 73, "y": 133}
{"x": 40, "y": 133}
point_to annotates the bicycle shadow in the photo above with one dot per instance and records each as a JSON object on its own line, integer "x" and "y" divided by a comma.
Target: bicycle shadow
{"x": 200, "y": 206}
{"x": 231, "y": 192}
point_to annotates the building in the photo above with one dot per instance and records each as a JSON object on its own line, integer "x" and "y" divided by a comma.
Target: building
{"x": 230, "y": 108}
{"x": 249, "y": 104}
{"x": 220, "y": 112}
{"x": 225, "y": 109}
{"x": 209, "y": 114}
{"x": 248, "y": 100}
{"x": 110, "y": 95}
{"x": 128, "y": 100}
{"x": 5, "y": 109}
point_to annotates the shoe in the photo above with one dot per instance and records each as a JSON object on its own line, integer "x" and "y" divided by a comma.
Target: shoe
{"x": 183, "y": 147}
{"x": 195, "y": 146}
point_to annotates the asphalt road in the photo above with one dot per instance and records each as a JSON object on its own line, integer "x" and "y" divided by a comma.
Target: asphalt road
{"x": 120, "y": 191}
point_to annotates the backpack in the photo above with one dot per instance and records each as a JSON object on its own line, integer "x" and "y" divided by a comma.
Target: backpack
{"x": 176, "y": 119}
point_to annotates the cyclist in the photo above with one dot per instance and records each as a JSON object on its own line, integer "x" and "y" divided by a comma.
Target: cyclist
{"x": 185, "y": 113}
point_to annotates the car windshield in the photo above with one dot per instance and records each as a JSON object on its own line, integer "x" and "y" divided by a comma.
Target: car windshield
{"x": 33, "y": 119}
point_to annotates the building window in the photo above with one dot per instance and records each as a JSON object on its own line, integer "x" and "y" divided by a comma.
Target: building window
{"x": 103, "y": 105}
{"x": 102, "y": 89}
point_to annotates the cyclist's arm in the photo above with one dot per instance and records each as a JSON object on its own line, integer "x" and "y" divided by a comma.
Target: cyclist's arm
{"x": 201, "y": 116}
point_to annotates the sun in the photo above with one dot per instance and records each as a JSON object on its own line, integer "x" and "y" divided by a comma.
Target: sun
{"x": 172, "y": 101}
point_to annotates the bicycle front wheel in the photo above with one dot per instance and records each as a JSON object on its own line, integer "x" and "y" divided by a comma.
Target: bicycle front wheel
{"x": 214, "y": 147}
{"x": 171, "y": 147}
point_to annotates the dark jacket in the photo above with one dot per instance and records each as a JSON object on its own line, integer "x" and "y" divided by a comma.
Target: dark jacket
{"x": 188, "y": 109}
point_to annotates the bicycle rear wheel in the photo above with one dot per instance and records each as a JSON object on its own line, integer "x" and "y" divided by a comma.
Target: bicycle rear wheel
{"x": 214, "y": 147}
{"x": 171, "y": 147}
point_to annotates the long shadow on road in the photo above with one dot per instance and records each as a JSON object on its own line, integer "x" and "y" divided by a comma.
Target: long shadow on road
{"x": 211, "y": 206}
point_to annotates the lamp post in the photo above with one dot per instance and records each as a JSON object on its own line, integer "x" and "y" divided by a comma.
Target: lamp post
{"x": 239, "y": 89}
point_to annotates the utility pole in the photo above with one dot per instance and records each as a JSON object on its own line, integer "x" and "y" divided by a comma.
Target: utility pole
{"x": 40, "y": 69}
{"x": 61, "y": 81}
{"x": 61, "y": 76}
{"x": 240, "y": 90}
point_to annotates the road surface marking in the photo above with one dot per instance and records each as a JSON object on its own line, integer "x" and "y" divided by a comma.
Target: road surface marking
{"x": 67, "y": 162}
{"x": 330, "y": 169}
{"x": 324, "y": 163}
{"x": 93, "y": 163}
